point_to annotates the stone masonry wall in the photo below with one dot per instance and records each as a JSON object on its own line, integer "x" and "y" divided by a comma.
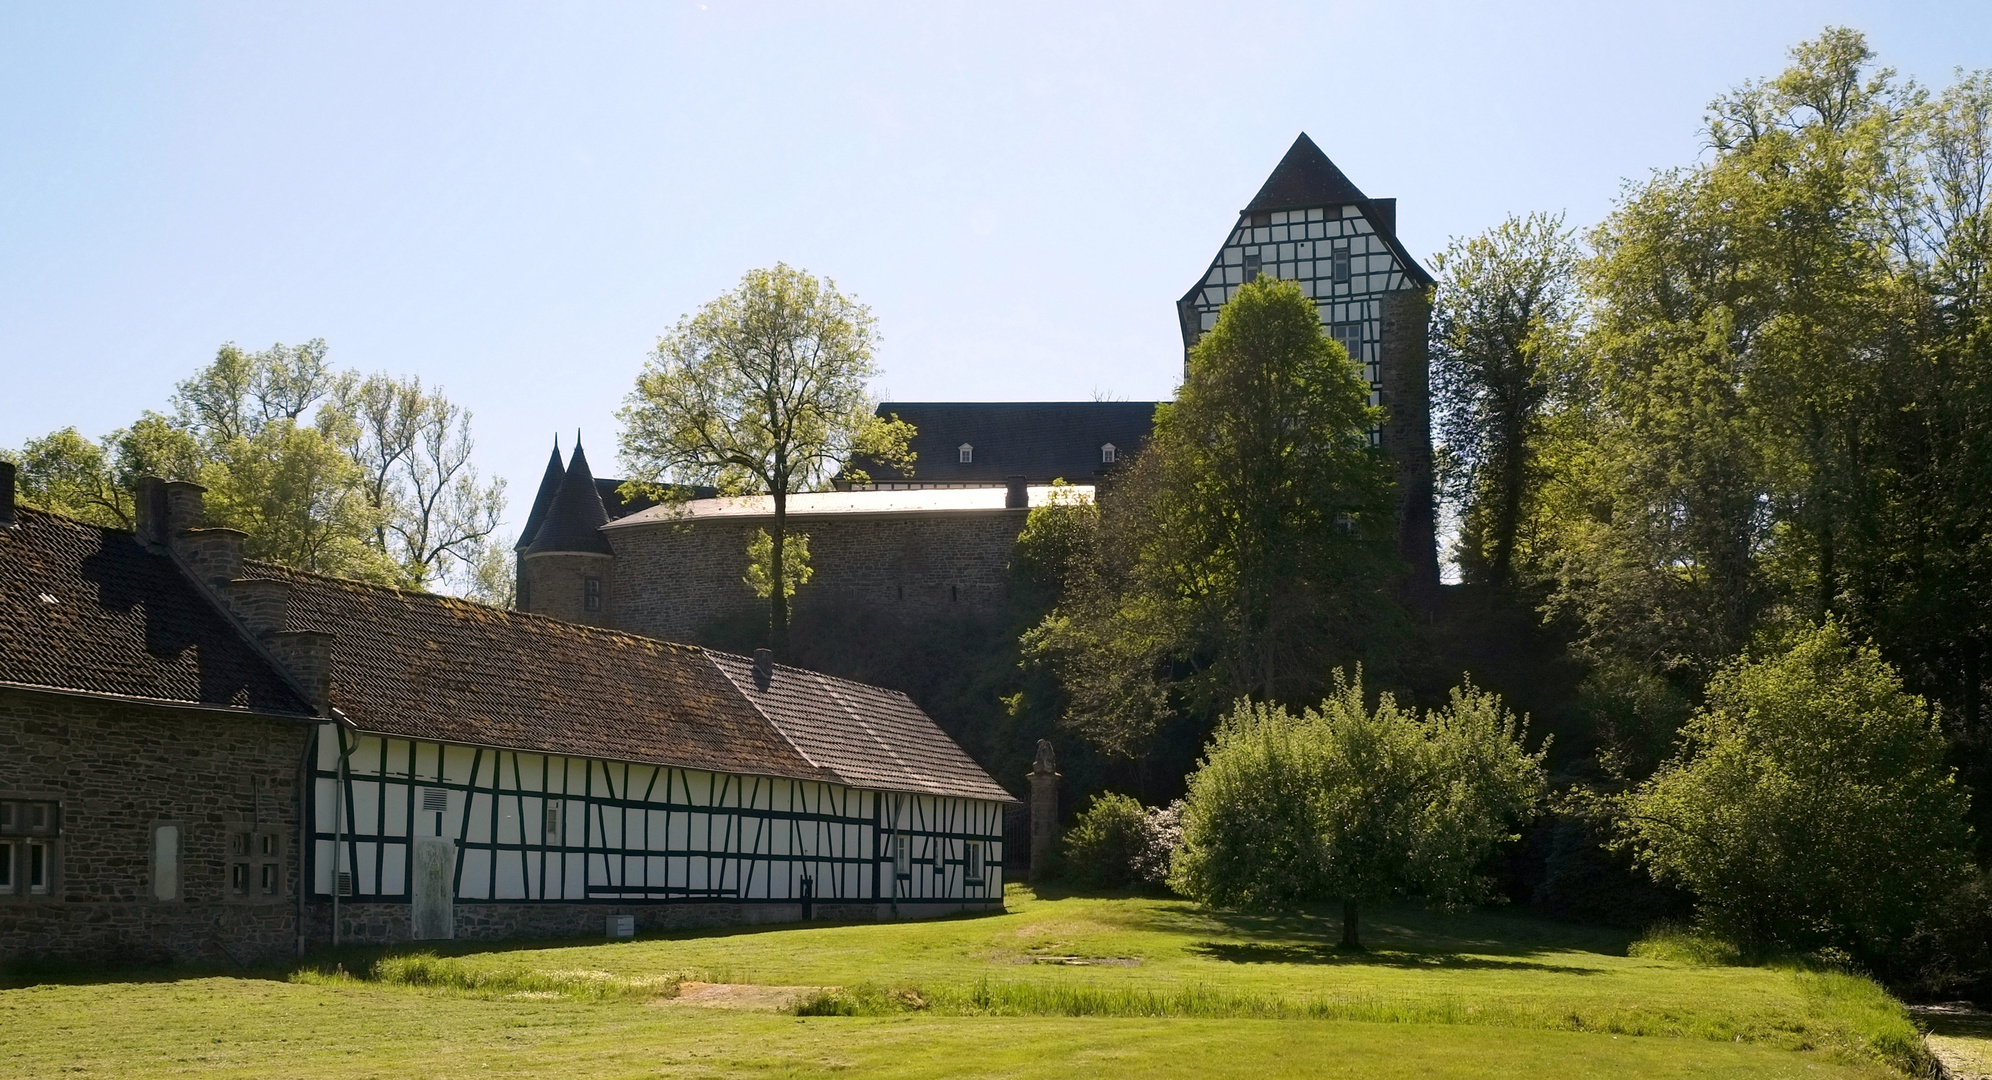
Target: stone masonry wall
{"x": 672, "y": 579}
{"x": 120, "y": 768}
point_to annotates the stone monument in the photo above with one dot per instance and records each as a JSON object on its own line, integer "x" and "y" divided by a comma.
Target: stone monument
{"x": 1044, "y": 809}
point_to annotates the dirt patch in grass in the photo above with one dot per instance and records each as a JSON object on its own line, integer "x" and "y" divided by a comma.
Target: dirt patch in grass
{"x": 745, "y": 996}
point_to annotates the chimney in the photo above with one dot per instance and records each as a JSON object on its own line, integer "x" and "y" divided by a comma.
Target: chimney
{"x": 307, "y": 656}
{"x": 1019, "y": 495}
{"x": 6, "y": 494}
{"x": 213, "y": 555}
{"x": 764, "y": 667}
{"x": 263, "y": 604}
{"x": 167, "y": 508}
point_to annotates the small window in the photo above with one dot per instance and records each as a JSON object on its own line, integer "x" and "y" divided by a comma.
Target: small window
{"x": 967, "y": 454}
{"x": 238, "y": 843}
{"x": 270, "y": 883}
{"x": 41, "y": 869}
{"x": 1107, "y": 453}
{"x": 1262, "y": 219}
{"x": 902, "y": 857}
{"x": 166, "y": 862}
{"x": 1251, "y": 265}
{"x": 591, "y": 593}
{"x": 238, "y": 879}
{"x": 553, "y": 833}
{"x": 972, "y": 860}
{"x": 954, "y": 593}
{"x": 7, "y": 868}
{"x": 1350, "y": 337}
{"x": 1341, "y": 265}
{"x": 435, "y": 800}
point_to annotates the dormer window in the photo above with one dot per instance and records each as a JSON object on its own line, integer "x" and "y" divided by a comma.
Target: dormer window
{"x": 1107, "y": 453}
{"x": 967, "y": 454}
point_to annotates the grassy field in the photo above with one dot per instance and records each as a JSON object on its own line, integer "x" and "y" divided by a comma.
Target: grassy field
{"x": 1055, "y": 988}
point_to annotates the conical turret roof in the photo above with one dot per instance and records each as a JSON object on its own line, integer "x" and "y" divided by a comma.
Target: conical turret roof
{"x": 1304, "y": 177}
{"x": 574, "y": 521}
{"x": 543, "y": 502}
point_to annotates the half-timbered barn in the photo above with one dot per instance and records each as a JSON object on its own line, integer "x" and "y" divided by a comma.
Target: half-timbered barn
{"x": 206, "y": 756}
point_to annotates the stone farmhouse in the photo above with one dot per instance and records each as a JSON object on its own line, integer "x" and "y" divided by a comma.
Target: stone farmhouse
{"x": 939, "y": 539}
{"x": 207, "y": 757}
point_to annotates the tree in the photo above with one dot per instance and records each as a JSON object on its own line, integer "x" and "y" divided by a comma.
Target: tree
{"x": 764, "y": 390}
{"x": 65, "y": 473}
{"x": 1809, "y": 804}
{"x": 1501, "y": 355}
{"x": 1246, "y": 549}
{"x": 1342, "y": 801}
{"x": 413, "y": 451}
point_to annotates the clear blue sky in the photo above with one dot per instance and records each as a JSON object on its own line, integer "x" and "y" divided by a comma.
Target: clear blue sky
{"x": 514, "y": 200}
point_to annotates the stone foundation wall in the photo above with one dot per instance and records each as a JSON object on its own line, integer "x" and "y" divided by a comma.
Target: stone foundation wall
{"x": 119, "y": 769}
{"x": 672, "y": 579}
{"x": 374, "y": 923}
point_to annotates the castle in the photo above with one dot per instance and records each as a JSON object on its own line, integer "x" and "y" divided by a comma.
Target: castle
{"x": 939, "y": 539}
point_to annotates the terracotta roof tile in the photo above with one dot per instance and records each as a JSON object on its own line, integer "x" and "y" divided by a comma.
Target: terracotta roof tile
{"x": 868, "y": 736}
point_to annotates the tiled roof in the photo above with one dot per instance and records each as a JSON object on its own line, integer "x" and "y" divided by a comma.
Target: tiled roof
{"x": 1304, "y": 178}
{"x": 421, "y": 666}
{"x": 91, "y": 609}
{"x": 1038, "y": 440}
{"x": 813, "y": 503}
{"x": 868, "y": 736}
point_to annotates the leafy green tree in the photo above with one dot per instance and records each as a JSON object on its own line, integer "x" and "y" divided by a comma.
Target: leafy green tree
{"x": 764, "y": 390}
{"x": 412, "y": 448}
{"x": 1344, "y": 801}
{"x": 1809, "y": 804}
{"x": 65, "y": 473}
{"x": 1246, "y": 549}
{"x": 1502, "y": 355}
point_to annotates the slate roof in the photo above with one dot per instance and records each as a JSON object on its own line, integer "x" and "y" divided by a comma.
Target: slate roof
{"x": 868, "y": 736}
{"x": 574, "y": 519}
{"x": 90, "y": 609}
{"x": 1304, "y": 178}
{"x": 614, "y": 503}
{"x": 414, "y": 665}
{"x": 1039, "y": 440}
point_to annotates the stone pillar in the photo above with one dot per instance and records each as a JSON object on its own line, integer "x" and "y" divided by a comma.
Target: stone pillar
{"x": 1044, "y": 810}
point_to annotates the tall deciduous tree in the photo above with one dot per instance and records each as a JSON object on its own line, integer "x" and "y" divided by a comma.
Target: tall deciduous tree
{"x": 1502, "y": 352}
{"x": 764, "y": 390}
{"x": 1247, "y": 549}
{"x": 1365, "y": 805}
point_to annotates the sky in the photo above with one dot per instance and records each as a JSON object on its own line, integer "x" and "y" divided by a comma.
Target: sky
{"x": 514, "y": 201}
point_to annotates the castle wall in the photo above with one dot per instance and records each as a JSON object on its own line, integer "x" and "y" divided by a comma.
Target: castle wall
{"x": 556, "y": 583}
{"x": 673, "y": 578}
{"x": 117, "y": 771}
{"x": 1407, "y": 432}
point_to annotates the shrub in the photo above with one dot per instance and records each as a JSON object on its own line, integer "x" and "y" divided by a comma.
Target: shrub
{"x": 1347, "y": 802}
{"x": 1118, "y": 844}
{"x": 1809, "y": 807}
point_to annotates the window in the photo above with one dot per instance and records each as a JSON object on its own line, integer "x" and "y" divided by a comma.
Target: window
{"x": 1107, "y": 453}
{"x": 591, "y": 593}
{"x": 553, "y": 835}
{"x": 1262, "y": 219}
{"x": 255, "y": 861}
{"x": 940, "y": 855}
{"x": 967, "y": 454}
{"x": 1251, "y": 265}
{"x": 902, "y": 856}
{"x": 1341, "y": 265}
{"x": 165, "y": 862}
{"x": 28, "y": 832}
{"x": 972, "y": 861}
{"x": 1350, "y": 337}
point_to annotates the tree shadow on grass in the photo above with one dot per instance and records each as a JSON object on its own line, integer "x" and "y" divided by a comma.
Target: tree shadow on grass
{"x": 1321, "y": 953}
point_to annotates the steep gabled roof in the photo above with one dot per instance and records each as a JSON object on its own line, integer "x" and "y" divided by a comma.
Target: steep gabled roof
{"x": 414, "y": 665}
{"x": 1304, "y": 178}
{"x": 543, "y": 500}
{"x": 575, "y": 520}
{"x": 89, "y": 609}
{"x": 867, "y": 736}
{"x": 1038, "y": 440}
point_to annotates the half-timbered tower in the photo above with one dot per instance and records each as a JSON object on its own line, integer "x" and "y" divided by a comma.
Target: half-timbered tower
{"x": 1309, "y": 224}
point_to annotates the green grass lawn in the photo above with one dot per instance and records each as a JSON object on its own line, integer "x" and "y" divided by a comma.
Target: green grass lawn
{"x": 1055, "y": 988}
